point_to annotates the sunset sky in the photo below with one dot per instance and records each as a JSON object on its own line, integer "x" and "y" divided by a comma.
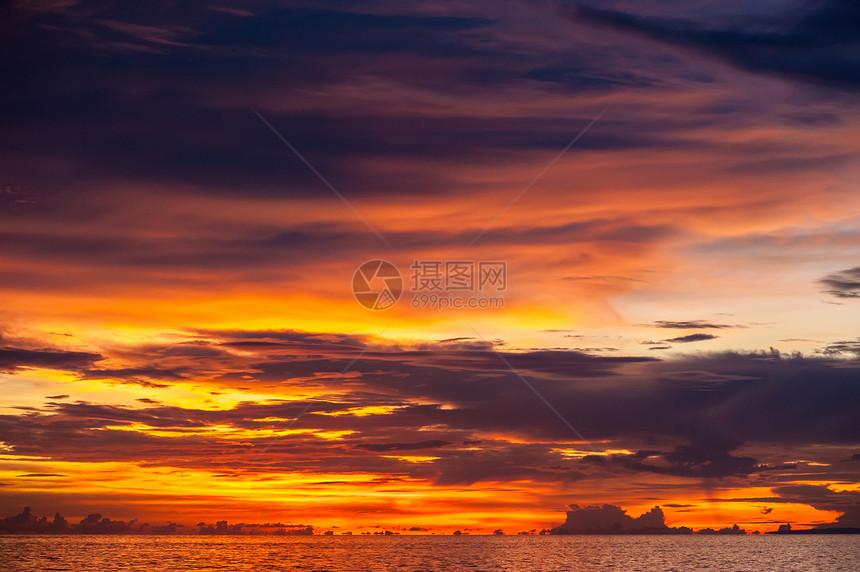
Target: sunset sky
{"x": 187, "y": 190}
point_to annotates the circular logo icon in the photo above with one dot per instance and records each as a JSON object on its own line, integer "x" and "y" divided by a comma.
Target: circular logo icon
{"x": 377, "y": 284}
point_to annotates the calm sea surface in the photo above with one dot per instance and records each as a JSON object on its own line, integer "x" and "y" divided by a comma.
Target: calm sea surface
{"x": 412, "y": 553}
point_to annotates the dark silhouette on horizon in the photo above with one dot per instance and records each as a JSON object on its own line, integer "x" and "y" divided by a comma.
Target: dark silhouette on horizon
{"x": 611, "y": 519}
{"x": 27, "y": 523}
{"x": 605, "y": 519}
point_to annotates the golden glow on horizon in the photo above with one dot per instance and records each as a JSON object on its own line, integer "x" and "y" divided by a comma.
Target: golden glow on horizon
{"x": 195, "y": 494}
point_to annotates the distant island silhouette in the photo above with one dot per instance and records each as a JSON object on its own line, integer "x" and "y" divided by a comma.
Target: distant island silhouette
{"x": 786, "y": 529}
{"x": 611, "y": 519}
{"x": 27, "y": 523}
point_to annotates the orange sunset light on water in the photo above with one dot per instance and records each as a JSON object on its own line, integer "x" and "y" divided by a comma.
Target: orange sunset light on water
{"x": 627, "y": 268}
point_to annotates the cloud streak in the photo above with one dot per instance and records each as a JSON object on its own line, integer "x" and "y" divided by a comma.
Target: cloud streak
{"x": 816, "y": 46}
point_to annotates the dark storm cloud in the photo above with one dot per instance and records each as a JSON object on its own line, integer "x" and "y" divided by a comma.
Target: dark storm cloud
{"x": 841, "y": 348}
{"x": 819, "y": 45}
{"x": 140, "y": 256}
{"x": 306, "y": 30}
{"x": 84, "y": 415}
{"x": 290, "y": 337}
{"x": 564, "y": 363}
{"x": 13, "y": 359}
{"x": 780, "y": 404}
{"x": 691, "y": 338}
{"x": 820, "y": 497}
{"x": 704, "y": 457}
{"x": 106, "y": 93}
{"x": 179, "y": 143}
{"x": 692, "y": 325}
{"x": 75, "y": 74}
{"x": 686, "y": 418}
{"x": 843, "y": 284}
{"x": 136, "y": 373}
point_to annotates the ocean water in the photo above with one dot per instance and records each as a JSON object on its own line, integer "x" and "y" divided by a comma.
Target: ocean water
{"x": 438, "y": 553}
